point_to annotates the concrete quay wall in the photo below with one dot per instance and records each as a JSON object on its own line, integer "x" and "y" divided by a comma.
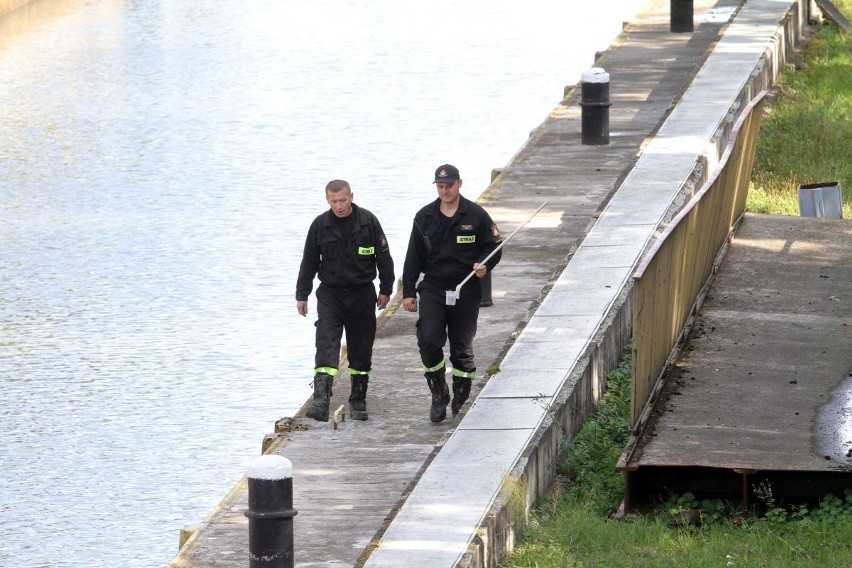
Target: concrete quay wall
{"x": 532, "y": 479}
{"x": 535, "y": 471}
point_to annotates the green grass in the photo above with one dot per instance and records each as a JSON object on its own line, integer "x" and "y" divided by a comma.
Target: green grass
{"x": 576, "y": 529}
{"x": 577, "y": 537}
{"x": 807, "y": 135}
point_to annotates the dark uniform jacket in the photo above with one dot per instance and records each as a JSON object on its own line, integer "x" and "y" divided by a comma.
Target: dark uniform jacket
{"x": 347, "y": 263}
{"x": 449, "y": 257}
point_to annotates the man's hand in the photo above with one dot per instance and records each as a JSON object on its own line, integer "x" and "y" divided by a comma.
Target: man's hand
{"x": 480, "y": 270}
{"x": 382, "y": 301}
{"x": 302, "y": 307}
{"x": 410, "y": 304}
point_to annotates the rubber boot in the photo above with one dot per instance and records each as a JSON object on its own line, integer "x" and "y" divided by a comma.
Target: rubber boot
{"x": 461, "y": 390}
{"x": 358, "y": 398}
{"x": 440, "y": 395}
{"x": 322, "y": 398}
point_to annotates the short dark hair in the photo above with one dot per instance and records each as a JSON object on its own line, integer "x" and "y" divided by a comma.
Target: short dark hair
{"x": 337, "y": 185}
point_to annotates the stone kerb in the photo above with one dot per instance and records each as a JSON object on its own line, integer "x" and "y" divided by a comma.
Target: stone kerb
{"x": 535, "y": 471}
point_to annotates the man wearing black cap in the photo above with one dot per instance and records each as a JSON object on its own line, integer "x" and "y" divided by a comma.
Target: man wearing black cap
{"x": 450, "y": 238}
{"x": 345, "y": 246}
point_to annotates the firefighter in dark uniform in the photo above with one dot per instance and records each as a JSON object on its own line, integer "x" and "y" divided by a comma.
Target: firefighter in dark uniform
{"x": 345, "y": 246}
{"x": 450, "y": 238}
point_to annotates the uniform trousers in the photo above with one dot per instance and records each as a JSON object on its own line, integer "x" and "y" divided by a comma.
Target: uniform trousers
{"x": 438, "y": 322}
{"x": 352, "y": 309}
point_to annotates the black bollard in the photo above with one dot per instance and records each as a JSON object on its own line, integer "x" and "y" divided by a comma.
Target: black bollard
{"x": 485, "y": 283}
{"x": 681, "y": 16}
{"x": 595, "y": 103}
{"x": 270, "y": 512}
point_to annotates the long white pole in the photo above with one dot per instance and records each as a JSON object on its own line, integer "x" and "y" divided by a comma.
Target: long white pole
{"x": 500, "y": 246}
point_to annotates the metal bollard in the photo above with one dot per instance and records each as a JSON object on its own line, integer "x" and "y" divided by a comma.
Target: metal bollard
{"x": 680, "y": 16}
{"x": 595, "y": 103}
{"x": 270, "y": 512}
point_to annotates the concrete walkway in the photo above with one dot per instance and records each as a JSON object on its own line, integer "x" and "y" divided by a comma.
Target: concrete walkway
{"x": 399, "y": 491}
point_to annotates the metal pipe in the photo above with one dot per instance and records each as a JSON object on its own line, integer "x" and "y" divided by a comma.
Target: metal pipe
{"x": 681, "y": 14}
{"x": 595, "y": 104}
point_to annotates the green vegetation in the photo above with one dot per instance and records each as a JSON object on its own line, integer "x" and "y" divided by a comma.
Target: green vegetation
{"x": 575, "y": 528}
{"x": 588, "y": 461}
{"x": 806, "y": 136}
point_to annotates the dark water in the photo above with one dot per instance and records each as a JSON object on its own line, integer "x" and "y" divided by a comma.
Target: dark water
{"x": 159, "y": 165}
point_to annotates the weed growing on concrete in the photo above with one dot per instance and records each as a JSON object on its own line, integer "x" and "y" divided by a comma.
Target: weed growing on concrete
{"x": 588, "y": 460}
{"x": 706, "y": 510}
{"x": 516, "y": 496}
{"x": 774, "y": 513}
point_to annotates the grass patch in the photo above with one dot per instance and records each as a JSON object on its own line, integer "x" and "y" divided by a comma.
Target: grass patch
{"x": 806, "y": 135}
{"x": 589, "y": 459}
{"x": 579, "y": 538}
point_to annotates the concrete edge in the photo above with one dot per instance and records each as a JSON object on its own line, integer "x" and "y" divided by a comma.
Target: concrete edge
{"x": 186, "y": 551}
{"x": 271, "y": 444}
{"x": 535, "y": 471}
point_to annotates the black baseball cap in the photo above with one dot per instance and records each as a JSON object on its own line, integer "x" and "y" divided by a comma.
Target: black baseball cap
{"x": 446, "y": 174}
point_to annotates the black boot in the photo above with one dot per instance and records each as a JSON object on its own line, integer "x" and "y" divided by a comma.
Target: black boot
{"x": 461, "y": 390}
{"x": 440, "y": 395}
{"x": 358, "y": 398}
{"x": 322, "y": 398}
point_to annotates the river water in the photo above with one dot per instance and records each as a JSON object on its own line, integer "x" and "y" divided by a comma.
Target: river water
{"x": 160, "y": 162}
